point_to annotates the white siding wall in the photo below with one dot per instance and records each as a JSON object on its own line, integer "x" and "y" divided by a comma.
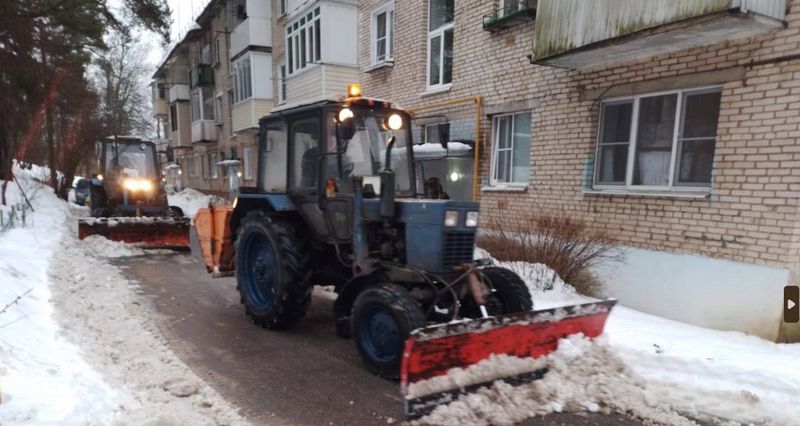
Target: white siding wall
{"x": 261, "y": 64}
{"x": 339, "y": 34}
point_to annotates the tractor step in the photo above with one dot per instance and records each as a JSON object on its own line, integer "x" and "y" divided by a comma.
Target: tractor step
{"x": 434, "y": 351}
{"x": 144, "y": 232}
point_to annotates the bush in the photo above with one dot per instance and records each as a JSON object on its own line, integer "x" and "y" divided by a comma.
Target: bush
{"x": 565, "y": 244}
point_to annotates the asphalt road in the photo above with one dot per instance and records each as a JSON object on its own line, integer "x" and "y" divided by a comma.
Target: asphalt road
{"x": 305, "y": 376}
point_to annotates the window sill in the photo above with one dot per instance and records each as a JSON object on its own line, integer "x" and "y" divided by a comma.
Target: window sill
{"x": 435, "y": 90}
{"x": 505, "y": 188}
{"x": 379, "y": 66}
{"x": 677, "y": 193}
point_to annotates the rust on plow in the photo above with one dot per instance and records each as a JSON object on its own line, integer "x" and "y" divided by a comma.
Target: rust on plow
{"x": 145, "y": 232}
{"x": 432, "y": 351}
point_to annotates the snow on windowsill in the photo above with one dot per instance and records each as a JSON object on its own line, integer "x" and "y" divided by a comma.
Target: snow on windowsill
{"x": 435, "y": 90}
{"x": 682, "y": 193}
{"x": 505, "y": 188}
{"x": 379, "y": 65}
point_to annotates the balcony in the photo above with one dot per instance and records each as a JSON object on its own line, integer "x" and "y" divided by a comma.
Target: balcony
{"x": 580, "y": 34}
{"x": 179, "y": 92}
{"x": 202, "y": 76}
{"x": 204, "y": 131}
{"x": 252, "y": 31}
{"x": 510, "y": 14}
{"x": 160, "y": 108}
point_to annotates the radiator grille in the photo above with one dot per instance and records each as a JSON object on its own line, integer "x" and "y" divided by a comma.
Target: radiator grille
{"x": 458, "y": 248}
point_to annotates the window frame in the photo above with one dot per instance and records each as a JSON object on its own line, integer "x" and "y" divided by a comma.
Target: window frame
{"x": 282, "y": 75}
{"x": 212, "y": 165}
{"x": 432, "y": 34}
{"x": 305, "y": 33}
{"x": 247, "y": 158}
{"x": 200, "y": 103}
{"x": 242, "y": 74}
{"x": 493, "y": 181}
{"x": 677, "y": 131}
{"x": 389, "y": 9}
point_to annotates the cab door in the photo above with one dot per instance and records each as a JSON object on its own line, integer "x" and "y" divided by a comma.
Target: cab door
{"x": 306, "y": 134}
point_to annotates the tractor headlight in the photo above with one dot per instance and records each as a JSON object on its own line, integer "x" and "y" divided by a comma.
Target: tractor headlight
{"x": 472, "y": 219}
{"x": 130, "y": 184}
{"x": 345, "y": 114}
{"x": 145, "y": 185}
{"x": 451, "y": 219}
{"x": 394, "y": 122}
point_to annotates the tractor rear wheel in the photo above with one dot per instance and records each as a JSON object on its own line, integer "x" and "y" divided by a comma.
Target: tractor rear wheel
{"x": 508, "y": 294}
{"x": 383, "y": 317}
{"x": 272, "y": 271}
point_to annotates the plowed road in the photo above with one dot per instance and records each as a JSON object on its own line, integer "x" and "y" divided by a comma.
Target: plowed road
{"x": 306, "y": 376}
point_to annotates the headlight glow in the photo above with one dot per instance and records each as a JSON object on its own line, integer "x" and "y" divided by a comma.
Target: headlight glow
{"x": 394, "y": 122}
{"x": 99, "y": 177}
{"x": 137, "y": 185}
{"x": 472, "y": 219}
{"x": 145, "y": 185}
{"x": 451, "y": 219}
{"x": 345, "y": 114}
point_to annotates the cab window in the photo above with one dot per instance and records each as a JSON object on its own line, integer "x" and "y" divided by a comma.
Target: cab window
{"x": 305, "y": 153}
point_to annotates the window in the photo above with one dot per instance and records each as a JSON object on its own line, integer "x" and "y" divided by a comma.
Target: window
{"x": 219, "y": 108}
{"x": 202, "y": 100}
{"x": 509, "y": 7}
{"x": 212, "y": 165}
{"x": 173, "y": 117}
{"x": 282, "y": 84}
{"x": 303, "y": 41}
{"x": 242, "y": 79}
{"x": 247, "y": 163}
{"x": 659, "y": 140}
{"x": 435, "y": 133}
{"x": 205, "y": 54}
{"x": 305, "y": 152}
{"x": 511, "y": 150}
{"x": 218, "y": 47}
{"x": 197, "y": 162}
{"x": 440, "y": 43}
{"x": 383, "y": 34}
{"x": 230, "y": 110}
{"x": 283, "y": 7}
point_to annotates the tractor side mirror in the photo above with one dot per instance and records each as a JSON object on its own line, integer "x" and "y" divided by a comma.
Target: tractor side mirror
{"x": 346, "y": 130}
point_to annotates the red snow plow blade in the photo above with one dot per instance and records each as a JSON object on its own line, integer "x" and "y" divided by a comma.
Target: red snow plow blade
{"x": 432, "y": 351}
{"x": 144, "y": 232}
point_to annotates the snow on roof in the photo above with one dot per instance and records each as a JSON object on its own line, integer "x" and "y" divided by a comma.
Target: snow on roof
{"x": 229, "y": 163}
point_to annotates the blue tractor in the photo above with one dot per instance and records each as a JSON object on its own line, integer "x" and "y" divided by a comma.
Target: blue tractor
{"x": 337, "y": 203}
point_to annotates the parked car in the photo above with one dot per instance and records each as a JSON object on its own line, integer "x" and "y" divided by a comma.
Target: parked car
{"x": 81, "y": 191}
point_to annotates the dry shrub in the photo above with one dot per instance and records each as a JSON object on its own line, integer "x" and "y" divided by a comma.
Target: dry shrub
{"x": 565, "y": 244}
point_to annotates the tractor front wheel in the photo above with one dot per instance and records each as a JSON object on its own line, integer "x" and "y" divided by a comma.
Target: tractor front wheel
{"x": 383, "y": 317}
{"x": 272, "y": 271}
{"x": 506, "y": 293}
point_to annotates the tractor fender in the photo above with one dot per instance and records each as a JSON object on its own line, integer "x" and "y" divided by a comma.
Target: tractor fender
{"x": 245, "y": 203}
{"x": 350, "y": 291}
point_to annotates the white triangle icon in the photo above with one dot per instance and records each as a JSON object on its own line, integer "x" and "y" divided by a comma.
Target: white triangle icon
{"x": 790, "y": 304}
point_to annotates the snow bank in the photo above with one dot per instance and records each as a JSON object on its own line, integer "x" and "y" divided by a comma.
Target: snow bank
{"x": 43, "y": 378}
{"x": 582, "y": 375}
{"x": 190, "y": 201}
{"x": 702, "y": 373}
{"x": 99, "y": 246}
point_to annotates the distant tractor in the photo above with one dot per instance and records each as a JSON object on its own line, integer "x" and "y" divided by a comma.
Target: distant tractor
{"x": 127, "y": 199}
{"x": 337, "y": 203}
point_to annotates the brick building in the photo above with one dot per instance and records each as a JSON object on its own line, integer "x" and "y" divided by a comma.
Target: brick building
{"x": 674, "y": 127}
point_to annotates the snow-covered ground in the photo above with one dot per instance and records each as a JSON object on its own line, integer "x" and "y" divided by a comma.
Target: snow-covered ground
{"x": 655, "y": 369}
{"x": 76, "y": 345}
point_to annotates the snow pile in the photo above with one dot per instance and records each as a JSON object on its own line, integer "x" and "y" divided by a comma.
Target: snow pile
{"x": 100, "y": 246}
{"x": 43, "y": 378}
{"x": 190, "y": 201}
{"x": 582, "y": 375}
{"x": 702, "y": 373}
{"x": 101, "y": 311}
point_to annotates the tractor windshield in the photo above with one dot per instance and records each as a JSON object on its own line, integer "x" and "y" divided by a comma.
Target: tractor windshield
{"x": 132, "y": 160}
{"x": 365, "y": 153}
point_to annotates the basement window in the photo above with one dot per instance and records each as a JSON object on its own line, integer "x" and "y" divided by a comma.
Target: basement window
{"x": 658, "y": 141}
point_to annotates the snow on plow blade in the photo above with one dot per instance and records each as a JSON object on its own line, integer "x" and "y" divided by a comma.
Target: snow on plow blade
{"x": 431, "y": 352}
{"x": 145, "y": 232}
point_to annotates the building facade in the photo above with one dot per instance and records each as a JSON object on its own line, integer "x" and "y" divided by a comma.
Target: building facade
{"x": 674, "y": 128}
